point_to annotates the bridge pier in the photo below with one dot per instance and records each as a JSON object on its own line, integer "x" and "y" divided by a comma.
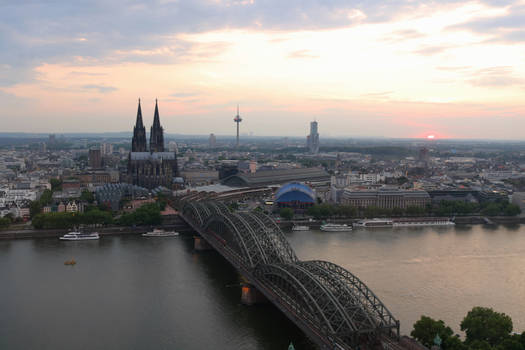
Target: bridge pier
{"x": 250, "y": 295}
{"x": 200, "y": 244}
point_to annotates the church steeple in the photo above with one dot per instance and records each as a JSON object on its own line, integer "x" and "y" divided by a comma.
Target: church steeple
{"x": 138, "y": 142}
{"x": 156, "y": 138}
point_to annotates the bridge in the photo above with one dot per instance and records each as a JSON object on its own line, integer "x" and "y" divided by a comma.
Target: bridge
{"x": 334, "y": 308}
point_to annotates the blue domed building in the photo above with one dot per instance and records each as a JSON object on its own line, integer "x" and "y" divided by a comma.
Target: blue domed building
{"x": 295, "y": 195}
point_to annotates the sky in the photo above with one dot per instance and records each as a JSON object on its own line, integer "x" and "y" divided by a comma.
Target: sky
{"x": 399, "y": 68}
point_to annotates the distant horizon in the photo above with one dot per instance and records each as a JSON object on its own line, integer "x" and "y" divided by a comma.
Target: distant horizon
{"x": 129, "y": 134}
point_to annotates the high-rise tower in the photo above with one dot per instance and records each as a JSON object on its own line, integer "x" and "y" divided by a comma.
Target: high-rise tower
{"x": 156, "y": 137}
{"x": 138, "y": 142}
{"x": 312, "y": 140}
{"x": 238, "y": 121}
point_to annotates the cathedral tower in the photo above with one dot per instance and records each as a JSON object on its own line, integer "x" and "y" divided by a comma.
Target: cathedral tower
{"x": 138, "y": 142}
{"x": 156, "y": 138}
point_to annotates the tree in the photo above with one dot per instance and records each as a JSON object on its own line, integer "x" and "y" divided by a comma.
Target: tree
{"x": 454, "y": 343}
{"x": 148, "y": 214}
{"x": 87, "y": 196}
{"x": 34, "y": 208}
{"x": 4, "y": 222}
{"x": 479, "y": 345}
{"x": 512, "y": 210}
{"x": 415, "y": 210}
{"x": 56, "y": 184}
{"x": 484, "y": 324}
{"x": 491, "y": 209}
{"x": 314, "y": 211}
{"x": 286, "y": 213}
{"x": 426, "y": 329}
{"x": 511, "y": 343}
{"x": 46, "y": 197}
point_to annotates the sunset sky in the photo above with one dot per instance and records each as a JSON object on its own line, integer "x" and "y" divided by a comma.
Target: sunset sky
{"x": 401, "y": 68}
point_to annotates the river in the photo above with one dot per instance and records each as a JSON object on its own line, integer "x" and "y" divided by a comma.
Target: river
{"x": 129, "y": 292}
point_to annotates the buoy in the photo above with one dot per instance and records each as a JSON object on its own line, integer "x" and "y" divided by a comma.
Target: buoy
{"x": 70, "y": 262}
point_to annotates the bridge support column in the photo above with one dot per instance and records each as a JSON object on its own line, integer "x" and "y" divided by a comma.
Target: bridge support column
{"x": 250, "y": 295}
{"x": 200, "y": 244}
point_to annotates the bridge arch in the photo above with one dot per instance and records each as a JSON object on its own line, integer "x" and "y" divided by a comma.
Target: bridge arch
{"x": 237, "y": 233}
{"x": 325, "y": 294}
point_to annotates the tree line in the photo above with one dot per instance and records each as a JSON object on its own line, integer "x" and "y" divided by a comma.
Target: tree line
{"x": 149, "y": 214}
{"x": 91, "y": 216}
{"x": 444, "y": 208}
{"x": 485, "y": 329}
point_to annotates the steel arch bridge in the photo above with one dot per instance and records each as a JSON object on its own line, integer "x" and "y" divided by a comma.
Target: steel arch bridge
{"x": 330, "y": 304}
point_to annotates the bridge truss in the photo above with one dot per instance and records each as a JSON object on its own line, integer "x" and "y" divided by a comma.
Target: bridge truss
{"x": 334, "y": 307}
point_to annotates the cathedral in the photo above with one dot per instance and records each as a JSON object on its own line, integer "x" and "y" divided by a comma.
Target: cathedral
{"x": 154, "y": 167}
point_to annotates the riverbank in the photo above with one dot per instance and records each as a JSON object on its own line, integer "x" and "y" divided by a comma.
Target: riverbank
{"x": 458, "y": 220}
{"x": 174, "y": 224}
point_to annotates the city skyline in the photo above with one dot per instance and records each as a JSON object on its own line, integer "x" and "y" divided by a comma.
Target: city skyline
{"x": 452, "y": 69}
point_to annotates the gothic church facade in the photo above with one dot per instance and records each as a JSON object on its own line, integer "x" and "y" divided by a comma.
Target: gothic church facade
{"x": 153, "y": 167}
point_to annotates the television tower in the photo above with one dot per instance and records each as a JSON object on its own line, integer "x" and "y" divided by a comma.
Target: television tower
{"x": 237, "y": 120}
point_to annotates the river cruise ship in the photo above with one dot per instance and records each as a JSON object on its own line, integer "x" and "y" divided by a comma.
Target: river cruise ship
{"x": 160, "y": 233}
{"x": 336, "y": 227}
{"x": 300, "y": 228}
{"x": 374, "y": 223}
{"x": 416, "y": 222}
{"x": 79, "y": 236}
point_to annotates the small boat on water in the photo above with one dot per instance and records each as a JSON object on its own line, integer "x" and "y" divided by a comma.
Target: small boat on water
{"x": 336, "y": 227}
{"x": 374, "y": 223}
{"x": 70, "y": 262}
{"x": 160, "y": 233}
{"x": 79, "y": 236}
{"x": 300, "y": 228}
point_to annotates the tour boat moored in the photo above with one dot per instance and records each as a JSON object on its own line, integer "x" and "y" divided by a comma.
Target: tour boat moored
{"x": 374, "y": 223}
{"x": 160, "y": 233}
{"x": 300, "y": 228}
{"x": 416, "y": 222}
{"x": 336, "y": 227}
{"x": 79, "y": 236}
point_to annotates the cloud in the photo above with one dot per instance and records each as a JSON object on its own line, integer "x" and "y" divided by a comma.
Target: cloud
{"x": 502, "y": 76}
{"x": 33, "y": 32}
{"x": 100, "y": 88}
{"x": 378, "y": 95}
{"x": 506, "y": 27}
{"x": 302, "y": 54}
{"x": 183, "y": 94}
{"x": 432, "y": 50}
{"x": 86, "y": 74}
{"x": 403, "y": 35}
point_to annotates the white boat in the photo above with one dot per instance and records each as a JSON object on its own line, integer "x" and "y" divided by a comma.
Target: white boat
{"x": 374, "y": 223}
{"x": 300, "y": 228}
{"x": 416, "y": 222}
{"x": 336, "y": 227}
{"x": 160, "y": 233}
{"x": 79, "y": 236}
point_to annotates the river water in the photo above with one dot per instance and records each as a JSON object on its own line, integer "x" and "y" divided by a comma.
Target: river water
{"x": 129, "y": 292}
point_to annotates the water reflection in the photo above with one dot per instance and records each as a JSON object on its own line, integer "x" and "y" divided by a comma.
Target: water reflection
{"x": 438, "y": 271}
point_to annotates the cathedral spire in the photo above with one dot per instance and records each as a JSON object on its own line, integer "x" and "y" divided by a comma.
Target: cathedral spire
{"x": 156, "y": 118}
{"x": 156, "y": 138}
{"x": 138, "y": 142}
{"x": 139, "y": 123}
